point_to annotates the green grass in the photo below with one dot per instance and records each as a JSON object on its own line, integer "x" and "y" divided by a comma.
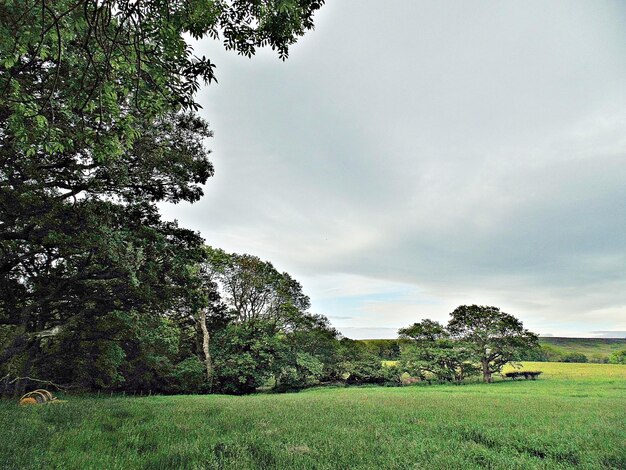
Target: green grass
{"x": 574, "y": 417}
{"x": 576, "y": 373}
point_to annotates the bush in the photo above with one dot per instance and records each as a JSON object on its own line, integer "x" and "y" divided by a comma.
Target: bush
{"x": 393, "y": 375}
{"x": 618, "y": 357}
{"x": 373, "y": 372}
{"x": 189, "y": 375}
{"x": 552, "y": 353}
{"x": 574, "y": 357}
{"x": 599, "y": 358}
{"x": 538, "y": 354}
{"x": 244, "y": 357}
{"x": 306, "y": 371}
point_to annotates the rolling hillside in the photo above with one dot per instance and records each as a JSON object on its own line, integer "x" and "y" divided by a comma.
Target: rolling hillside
{"x": 595, "y": 349}
{"x": 586, "y": 346}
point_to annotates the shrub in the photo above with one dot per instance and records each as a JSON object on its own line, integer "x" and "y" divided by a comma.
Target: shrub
{"x": 552, "y": 353}
{"x": 599, "y": 358}
{"x": 393, "y": 375}
{"x": 189, "y": 375}
{"x": 408, "y": 380}
{"x": 372, "y": 371}
{"x": 244, "y": 357}
{"x": 574, "y": 357}
{"x": 537, "y": 354}
{"x": 618, "y": 357}
{"x": 306, "y": 371}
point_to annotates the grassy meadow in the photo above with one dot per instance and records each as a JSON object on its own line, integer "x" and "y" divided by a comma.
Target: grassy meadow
{"x": 574, "y": 416}
{"x": 586, "y": 346}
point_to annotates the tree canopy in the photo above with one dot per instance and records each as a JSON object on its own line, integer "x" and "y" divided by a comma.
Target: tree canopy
{"x": 432, "y": 350}
{"x": 494, "y": 337}
{"x": 98, "y": 123}
{"x": 475, "y": 335}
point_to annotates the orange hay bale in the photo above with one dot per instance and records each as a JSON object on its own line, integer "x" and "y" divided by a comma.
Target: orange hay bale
{"x": 28, "y": 401}
{"x": 36, "y": 397}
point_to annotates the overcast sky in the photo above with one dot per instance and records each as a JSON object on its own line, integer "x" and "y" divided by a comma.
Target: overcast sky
{"x": 410, "y": 157}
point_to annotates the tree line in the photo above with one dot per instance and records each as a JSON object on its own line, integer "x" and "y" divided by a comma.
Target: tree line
{"x": 98, "y": 124}
{"x": 250, "y": 327}
{"x": 391, "y": 349}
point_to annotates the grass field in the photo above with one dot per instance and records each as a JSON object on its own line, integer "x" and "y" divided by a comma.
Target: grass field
{"x": 574, "y": 416}
{"x": 575, "y": 372}
{"x": 586, "y": 346}
{"x": 596, "y": 349}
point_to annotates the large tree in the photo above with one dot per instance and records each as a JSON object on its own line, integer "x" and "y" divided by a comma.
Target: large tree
{"x": 493, "y": 337}
{"x": 255, "y": 290}
{"x": 429, "y": 348}
{"x": 97, "y": 125}
{"x": 270, "y": 332}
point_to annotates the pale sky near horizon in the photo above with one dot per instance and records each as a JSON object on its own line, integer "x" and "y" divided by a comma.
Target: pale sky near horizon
{"x": 412, "y": 156}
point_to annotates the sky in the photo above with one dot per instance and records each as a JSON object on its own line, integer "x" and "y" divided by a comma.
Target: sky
{"x": 410, "y": 157}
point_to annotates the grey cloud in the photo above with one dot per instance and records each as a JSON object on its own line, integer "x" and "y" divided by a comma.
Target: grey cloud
{"x": 610, "y": 334}
{"x": 472, "y": 149}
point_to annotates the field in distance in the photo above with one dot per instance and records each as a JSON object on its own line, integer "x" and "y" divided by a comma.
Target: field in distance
{"x": 587, "y": 346}
{"x": 574, "y": 416}
{"x": 594, "y": 349}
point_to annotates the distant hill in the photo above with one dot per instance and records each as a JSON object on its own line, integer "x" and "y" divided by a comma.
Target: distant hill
{"x": 586, "y": 346}
{"x": 552, "y": 349}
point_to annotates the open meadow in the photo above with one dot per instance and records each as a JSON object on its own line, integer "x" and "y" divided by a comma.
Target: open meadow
{"x": 587, "y": 346}
{"x": 574, "y": 416}
{"x": 297, "y": 268}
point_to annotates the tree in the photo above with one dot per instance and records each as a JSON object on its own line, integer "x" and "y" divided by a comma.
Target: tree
{"x": 618, "y": 357}
{"x": 575, "y": 357}
{"x": 255, "y": 290}
{"x": 309, "y": 351}
{"x": 494, "y": 338}
{"x": 98, "y": 124}
{"x": 431, "y": 349}
{"x": 269, "y": 332}
{"x": 385, "y": 349}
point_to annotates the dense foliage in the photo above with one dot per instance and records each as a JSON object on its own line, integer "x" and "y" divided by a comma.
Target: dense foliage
{"x": 475, "y": 336}
{"x": 618, "y": 357}
{"x": 549, "y": 349}
{"x": 385, "y": 349}
{"x": 268, "y": 336}
{"x": 98, "y": 123}
{"x": 433, "y": 351}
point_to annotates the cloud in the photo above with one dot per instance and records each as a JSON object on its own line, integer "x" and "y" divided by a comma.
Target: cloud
{"x": 610, "y": 334}
{"x": 400, "y": 165}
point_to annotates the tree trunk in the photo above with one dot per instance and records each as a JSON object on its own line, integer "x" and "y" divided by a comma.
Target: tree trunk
{"x": 205, "y": 347}
{"x": 486, "y": 372}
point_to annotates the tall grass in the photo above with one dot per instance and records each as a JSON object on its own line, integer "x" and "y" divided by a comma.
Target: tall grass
{"x": 574, "y": 417}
